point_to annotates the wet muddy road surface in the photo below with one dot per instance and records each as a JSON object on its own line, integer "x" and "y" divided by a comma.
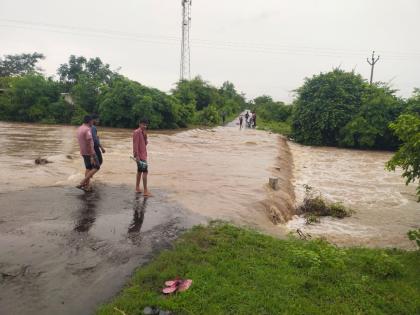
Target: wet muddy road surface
{"x": 64, "y": 251}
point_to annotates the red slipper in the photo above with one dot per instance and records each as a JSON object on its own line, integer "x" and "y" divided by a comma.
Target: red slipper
{"x": 170, "y": 289}
{"x": 184, "y": 285}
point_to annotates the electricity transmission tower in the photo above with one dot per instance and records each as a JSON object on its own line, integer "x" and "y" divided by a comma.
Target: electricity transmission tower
{"x": 185, "y": 44}
{"x": 372, "y": 65}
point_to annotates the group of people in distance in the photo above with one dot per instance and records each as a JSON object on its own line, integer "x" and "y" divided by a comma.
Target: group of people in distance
{"x": 91, "y": 151}
{"x": 250, "y": 119}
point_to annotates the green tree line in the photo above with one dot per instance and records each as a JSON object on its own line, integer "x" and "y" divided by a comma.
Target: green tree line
{"x": 87, "y": 86}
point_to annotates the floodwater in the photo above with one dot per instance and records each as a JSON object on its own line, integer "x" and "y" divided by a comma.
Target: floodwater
{"x": 220, "y": 173}
{"x": 385, "y": 208}
{"x": 64, "y": 252}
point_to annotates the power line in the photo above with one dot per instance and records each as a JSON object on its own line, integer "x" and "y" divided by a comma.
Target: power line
{"x": 204, "y": 43}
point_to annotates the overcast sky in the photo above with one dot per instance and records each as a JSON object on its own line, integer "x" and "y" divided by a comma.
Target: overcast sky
{"x": 263, "y": 47}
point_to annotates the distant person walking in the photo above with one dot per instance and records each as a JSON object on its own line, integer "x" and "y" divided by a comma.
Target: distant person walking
{"x": 140, "y": 154}
{"x": 246, "y": 117}
{"x": 254, "y": 119}
{"x": 224, "y": 117}
{"x": 87, "y": 151}
{"x": 241, "y": 120}
{"x": 99, "y": 149}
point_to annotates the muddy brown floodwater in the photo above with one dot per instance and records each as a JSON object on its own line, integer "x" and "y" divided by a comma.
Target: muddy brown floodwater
{"x": 385, "y": 207}
{"x": 64, "y": 252}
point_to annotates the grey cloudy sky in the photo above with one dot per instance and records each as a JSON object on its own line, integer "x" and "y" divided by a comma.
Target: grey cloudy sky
{"x": 263, "y": 47}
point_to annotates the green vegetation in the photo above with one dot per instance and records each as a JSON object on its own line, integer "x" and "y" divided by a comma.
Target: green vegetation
{"x": 15, "y": 65}
{"x": 340, "y": 108}
{"x": 237, "y": 271}
{"x": 407, "y": 128}
{"x": 414, "y": 235}
{"x": 95, "y": 88}
{"x": 271, "y": 115}
{"x": 314, "y": 206}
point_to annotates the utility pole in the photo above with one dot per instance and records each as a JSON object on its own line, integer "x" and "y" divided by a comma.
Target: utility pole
{"x": 185, "y": 73}
{"x": 372, "y": 65}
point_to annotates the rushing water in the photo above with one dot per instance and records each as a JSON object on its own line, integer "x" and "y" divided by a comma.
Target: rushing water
{"x": 385, "y": 207}
{"x": 222, "y": 173}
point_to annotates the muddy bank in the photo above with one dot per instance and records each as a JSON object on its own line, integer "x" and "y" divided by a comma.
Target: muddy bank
{"x": 280, "y": 204}
{"x": 63, "y": 251}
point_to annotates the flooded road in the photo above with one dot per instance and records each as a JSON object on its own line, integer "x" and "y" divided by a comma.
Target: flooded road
{"x": 220, "y": 173}
{"x": 64, "y": 252}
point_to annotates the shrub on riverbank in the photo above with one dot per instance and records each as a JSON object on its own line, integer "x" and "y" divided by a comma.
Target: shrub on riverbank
{"x": 340, "y": 108}
{"x": 237, "y": 271}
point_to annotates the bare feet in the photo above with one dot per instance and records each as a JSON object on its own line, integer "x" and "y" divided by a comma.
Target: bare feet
{"x": 147, "y": 194}
{"x": 138, "y": 190}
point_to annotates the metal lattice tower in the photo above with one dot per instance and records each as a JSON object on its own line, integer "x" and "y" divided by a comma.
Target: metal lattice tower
{"x": 185, "y": 44}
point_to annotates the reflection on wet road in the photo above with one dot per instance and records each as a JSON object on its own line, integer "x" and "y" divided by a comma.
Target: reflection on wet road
{"x": 139, "y": 209}
{"x": 86, "y": 214}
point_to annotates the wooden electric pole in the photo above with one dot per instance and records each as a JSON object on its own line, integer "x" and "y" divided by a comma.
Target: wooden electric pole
{"x": 372, "y": 65}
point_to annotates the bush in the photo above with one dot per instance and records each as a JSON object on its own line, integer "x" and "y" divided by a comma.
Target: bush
{"x": 314, "y": 206}
{"x": 340, "y": 108}
{"x": 383, "y": 266}
{"x": 414, "y": 235}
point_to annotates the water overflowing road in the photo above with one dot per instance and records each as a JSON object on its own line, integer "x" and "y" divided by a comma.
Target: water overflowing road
{"x": 64, "y": 252}
{"x": 58, "y": 244}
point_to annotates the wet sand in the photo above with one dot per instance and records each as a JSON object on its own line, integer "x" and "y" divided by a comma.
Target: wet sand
{"x": 63, "y": 251}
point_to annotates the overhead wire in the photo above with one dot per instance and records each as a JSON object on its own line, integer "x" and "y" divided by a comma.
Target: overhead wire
{"x": 201, "y": 43}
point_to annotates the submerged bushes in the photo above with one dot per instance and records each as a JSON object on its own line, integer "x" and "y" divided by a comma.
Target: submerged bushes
{"x": 315, "y": 206}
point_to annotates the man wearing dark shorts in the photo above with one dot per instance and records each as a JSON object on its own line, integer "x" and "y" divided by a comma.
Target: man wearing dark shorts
{"x": 87, "y": 151}
{"x": 99, "y": 149}
{"x": 140, "y": 154}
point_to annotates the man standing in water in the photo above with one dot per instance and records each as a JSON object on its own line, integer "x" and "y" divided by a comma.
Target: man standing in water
{"x": 99, "y": 149}
{"x": 87, "y": 151}
{"x": 140, "y": 154}
{"x": 241, "y": 119}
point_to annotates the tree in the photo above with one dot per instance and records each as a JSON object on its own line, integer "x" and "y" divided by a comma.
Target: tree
{"x": 17, "y": 65}
{"x": 30, "y": 97}
{"x": 413, "y": 103}
{"x": 325, "y": 103}
{"x": 77, "y": 67}
{"x": 370, "y": 127}
{"x": 407, "y": 128}
{"x": 124, "y": 102}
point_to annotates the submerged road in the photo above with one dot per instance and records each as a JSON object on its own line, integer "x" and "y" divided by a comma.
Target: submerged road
{"x": 63, "y": 251}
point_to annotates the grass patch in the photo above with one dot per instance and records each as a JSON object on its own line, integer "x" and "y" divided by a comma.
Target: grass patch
{"x": 280, "y": 127}
{"x": 238, "y": 271}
